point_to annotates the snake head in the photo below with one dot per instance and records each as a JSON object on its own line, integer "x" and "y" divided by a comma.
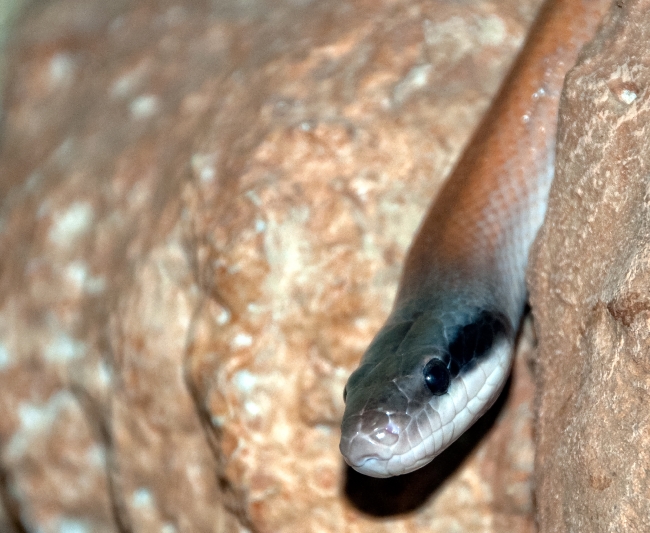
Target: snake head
{"x": 421, "y": 383}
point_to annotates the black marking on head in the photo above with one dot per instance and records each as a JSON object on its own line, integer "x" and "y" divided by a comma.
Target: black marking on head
{"x": 474, "y": 340}
{"x": 470, "y": 343}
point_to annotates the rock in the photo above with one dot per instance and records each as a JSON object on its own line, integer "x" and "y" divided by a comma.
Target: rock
{"x": 589, "y": 282}
{"x": 9, "y": 12}
{"x": 204, "y": 212}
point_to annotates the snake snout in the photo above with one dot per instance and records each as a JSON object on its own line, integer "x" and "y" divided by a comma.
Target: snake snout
{"x": 371, "y": 439}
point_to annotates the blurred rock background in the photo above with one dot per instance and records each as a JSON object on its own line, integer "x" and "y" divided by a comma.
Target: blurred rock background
{"x": 9, "y": 11}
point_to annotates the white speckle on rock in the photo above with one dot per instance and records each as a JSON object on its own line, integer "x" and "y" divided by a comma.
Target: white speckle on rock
{"x": 168, "y": 528}
{"x": 61, "y": 68}
{"x": 322, "y": 428}
{"x": 128, "y": 83}
{"x": 242, "y": 340}
{"x": 491, "y": 30}
{"x": 144, "y": 106}
{"x": 255, "y": 309}
{"x": 204, "y": 167}
{"x": 121, "y": 86}
{"x": 77, "y": 273}
{"x": 244, "y": 381}
{"x": 104, "y": 373}
{"x": 31, "y": 416}
{"x": 208, "y": 174}
{"x": 223, "y": 317}
{"x": 142, "y": 497}
{"x": 5, "y": 358}
{"x": 252, "y": 408}
{"x": 419, "y": 76}
{"x": 253, "y": 197}
{"x": 64, "y": 348}
{"x": 68, "y": 525}
{"x": 217, "y": 421}
{"x": 71, "y": 224}
{"x": 96, "y": 455}
{"x": 627, "y": 96}
{"x": 233, "y": 269}
{"x": 416, "y": 79}
{"x": 36, "y": 419}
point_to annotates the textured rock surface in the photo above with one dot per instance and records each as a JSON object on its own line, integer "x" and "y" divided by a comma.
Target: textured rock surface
{"x": 589, "y": 284}
{"x": 204, "y": 211}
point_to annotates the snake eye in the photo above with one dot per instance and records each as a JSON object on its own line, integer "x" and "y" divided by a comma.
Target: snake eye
{"x": 436, "y": 377}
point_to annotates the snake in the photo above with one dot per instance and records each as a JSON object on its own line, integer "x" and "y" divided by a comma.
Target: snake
{"x": 445, "y": 351}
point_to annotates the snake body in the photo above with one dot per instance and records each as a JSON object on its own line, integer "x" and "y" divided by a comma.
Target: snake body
{"x": 445, "y": 351}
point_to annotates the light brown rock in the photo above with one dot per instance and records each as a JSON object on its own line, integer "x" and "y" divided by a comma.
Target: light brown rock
{"x": 204, "y": 212}
{"x": 589, "y": 290}
{"x": 99, "y": 431}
